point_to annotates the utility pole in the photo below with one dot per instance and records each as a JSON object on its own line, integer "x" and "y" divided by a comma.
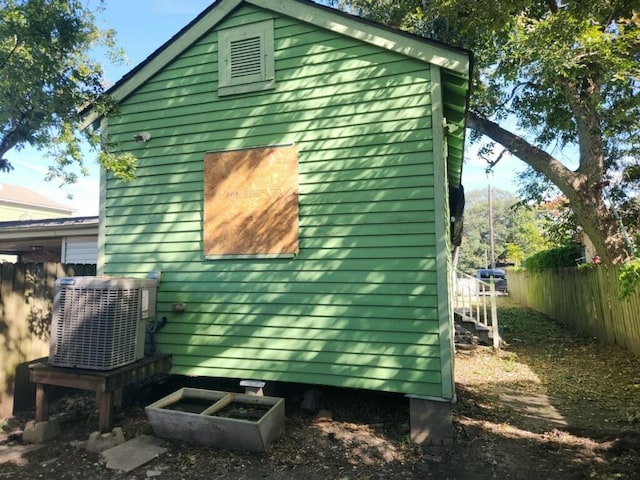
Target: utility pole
{"x": 491, "y": 240}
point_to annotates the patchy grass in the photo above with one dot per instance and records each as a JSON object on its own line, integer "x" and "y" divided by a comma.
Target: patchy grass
{"x": 576, "y": 369}
{"x": 551, "y": 405}
{"x": 559, "y": 390}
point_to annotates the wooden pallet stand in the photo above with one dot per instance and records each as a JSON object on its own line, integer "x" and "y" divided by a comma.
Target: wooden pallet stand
{"x": 107, "y": 384}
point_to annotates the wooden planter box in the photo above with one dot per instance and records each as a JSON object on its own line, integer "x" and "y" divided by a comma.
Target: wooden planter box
{"x": 219, "y": 419}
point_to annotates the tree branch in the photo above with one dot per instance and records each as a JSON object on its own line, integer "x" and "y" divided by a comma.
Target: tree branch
{"x": 13, "y": 50}
{"x": 580, "y": 99}
{"x": 9, "y": 139}
{"x": 533, "y": 156}
{"x": 493, "y": 163}
{"x": 511, "y": 96}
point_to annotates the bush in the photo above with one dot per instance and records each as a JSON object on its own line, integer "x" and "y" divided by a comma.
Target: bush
{"x": 559, "y": 257}
{"x": 629, "y": 277}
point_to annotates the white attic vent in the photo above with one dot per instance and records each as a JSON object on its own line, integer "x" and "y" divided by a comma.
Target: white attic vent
{"x": 245, "y": 58}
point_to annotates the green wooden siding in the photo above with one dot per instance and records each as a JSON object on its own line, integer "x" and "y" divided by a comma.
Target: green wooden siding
{"x": 359, "y": 306}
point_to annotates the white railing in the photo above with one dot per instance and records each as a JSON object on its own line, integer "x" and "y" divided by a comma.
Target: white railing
{"x": 475, "y": 298}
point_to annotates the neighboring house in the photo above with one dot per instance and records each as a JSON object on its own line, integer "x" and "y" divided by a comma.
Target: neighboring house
{"x": 21, "y": 203}
{"x": 64, "y": 240}
{"x": 292, "y": 188}
{"x": 590, "y": 255}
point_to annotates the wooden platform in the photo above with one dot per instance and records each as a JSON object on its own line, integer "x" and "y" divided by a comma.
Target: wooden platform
{"x": 107, "y": 384}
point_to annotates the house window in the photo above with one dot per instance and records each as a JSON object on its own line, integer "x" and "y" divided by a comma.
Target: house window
{"x": 251, "y": 203}
{"x": 245, "y": 58}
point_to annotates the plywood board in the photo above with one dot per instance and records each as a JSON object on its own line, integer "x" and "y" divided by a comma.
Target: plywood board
{"x": 251, "y": 202}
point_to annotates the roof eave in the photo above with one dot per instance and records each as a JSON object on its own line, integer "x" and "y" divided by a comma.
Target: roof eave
{"x": 39, "y": 233}
{"x": 421, "y": 48}
{"x": 49, "y": 227}
{"x": 426, "y": 50}
{"x": 168, "y": 51}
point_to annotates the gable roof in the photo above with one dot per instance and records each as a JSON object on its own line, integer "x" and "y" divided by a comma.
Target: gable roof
{"x": 456, "y": 63}
{"x": 51, "y": 226}
{"x": 456, "y": 60}
{"x": 23, "y": 196}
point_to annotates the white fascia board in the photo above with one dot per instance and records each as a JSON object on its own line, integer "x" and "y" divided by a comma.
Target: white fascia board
{"x": 75, "y": 231}
{"x": 450, "y": 59}
{"x": 168, "y": 54}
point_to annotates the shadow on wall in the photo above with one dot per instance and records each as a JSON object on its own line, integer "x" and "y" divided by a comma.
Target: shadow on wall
{"x": 26, "y": 309}
{"x": 358, "y": 306}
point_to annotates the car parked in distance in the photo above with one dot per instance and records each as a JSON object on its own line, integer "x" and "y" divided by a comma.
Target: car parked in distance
{"x": 499, "y": 279}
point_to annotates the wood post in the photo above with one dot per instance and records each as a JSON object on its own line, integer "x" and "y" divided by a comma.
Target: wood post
{"x": 108, "y": 384}
{"x": 42, "y": 403}
{"x": 104, "y": 401}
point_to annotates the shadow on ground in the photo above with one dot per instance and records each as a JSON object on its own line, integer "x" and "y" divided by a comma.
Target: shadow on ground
{"x": 567, "y": 401}
{"x": 551, "y": 405}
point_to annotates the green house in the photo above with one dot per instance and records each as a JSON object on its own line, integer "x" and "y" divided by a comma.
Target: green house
{"x": 293, "y": 187}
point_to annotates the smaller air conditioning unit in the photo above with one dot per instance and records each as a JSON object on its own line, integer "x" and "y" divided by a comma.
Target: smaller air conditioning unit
{"x": 99, "y": 323}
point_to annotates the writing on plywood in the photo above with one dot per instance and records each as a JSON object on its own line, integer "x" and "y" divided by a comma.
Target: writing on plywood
{"x": 251, "y": 202}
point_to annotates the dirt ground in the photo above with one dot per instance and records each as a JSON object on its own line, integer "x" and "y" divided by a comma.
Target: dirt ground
{"x": 550, "y": 405}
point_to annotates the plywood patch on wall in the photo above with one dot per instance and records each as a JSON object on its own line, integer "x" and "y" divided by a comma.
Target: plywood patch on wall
{"x": 251, "y": 202}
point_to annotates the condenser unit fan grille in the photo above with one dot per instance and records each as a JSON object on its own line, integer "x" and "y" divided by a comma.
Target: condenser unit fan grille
{"x": 97, "y": 328}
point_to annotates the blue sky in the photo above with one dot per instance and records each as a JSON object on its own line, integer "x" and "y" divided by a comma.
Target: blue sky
{"x": 142, "y": 26}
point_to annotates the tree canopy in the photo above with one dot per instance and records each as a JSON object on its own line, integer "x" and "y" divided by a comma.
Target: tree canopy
{"x": 549, "y": 77}
{"x": 518, "y": 230}
{"x": 46, "y": 75}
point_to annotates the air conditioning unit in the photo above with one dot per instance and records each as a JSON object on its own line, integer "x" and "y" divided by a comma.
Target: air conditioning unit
{"x": 99, "y": 323}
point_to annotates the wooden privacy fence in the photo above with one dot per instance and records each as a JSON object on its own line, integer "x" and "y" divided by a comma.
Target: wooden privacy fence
{"x": 587, "y": 298}
{"x": 26, "y": 301}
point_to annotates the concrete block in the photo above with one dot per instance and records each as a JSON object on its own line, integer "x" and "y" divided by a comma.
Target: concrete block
{"x": 134, "y": 453}
{"x": 253, "y": 387}
{"x": 41, "y": 432}
{"x": 311, "y": 400}
{"x": 431, "y": 422}
{"x": 324, "y": 416}
{"x": 99, "y": 442}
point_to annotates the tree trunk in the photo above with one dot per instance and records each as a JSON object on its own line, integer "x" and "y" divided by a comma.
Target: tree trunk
{"x": 583, "y": 188}
{"x": 601, "y": 227}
